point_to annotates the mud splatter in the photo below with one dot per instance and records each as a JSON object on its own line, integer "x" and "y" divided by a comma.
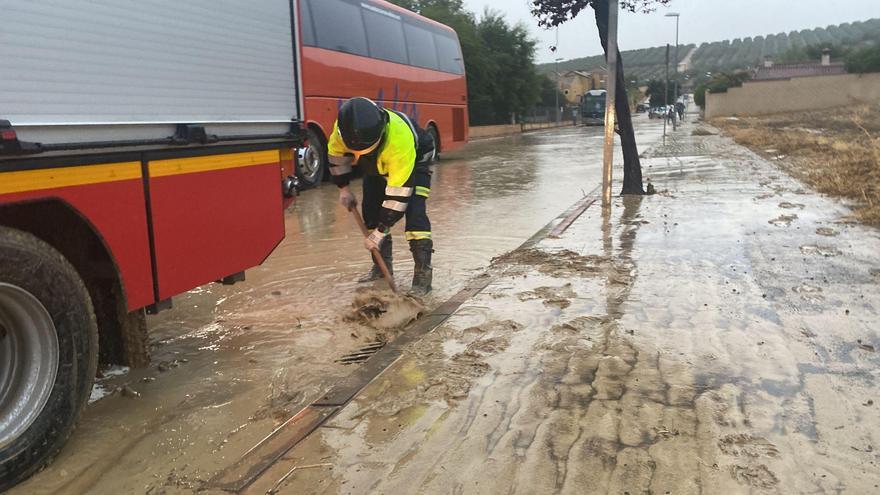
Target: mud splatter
{"x": 566, "y": 263}
{"x": 783, "y": 220}
{"x": 450, "y": 378}
{"x": 791, "y": 206}
{"x": 826, "y": 251}
{"x": 827, "y": 232}
{"x": 741, "y": 444}
{"x": 756, "y": 476}
{"x": 384, "y": 310}
{"x": 559, "y": 297}
{"x": 809, "y": 292}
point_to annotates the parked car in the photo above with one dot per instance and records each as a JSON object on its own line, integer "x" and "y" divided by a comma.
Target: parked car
{"x": 657, "y": 112}
{"x": 642, "y": 107}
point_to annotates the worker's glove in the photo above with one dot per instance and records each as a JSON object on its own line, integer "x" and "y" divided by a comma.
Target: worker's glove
{"x": 347, "y": 198}
{"x": 374, "y": 240}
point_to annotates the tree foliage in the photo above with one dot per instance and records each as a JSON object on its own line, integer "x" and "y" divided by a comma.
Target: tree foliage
{"x": 655, "y": 91}
{"x": 499, "y": 59}
{"x": 552, "y": 13}
{"x": 812, "y": 53}
{"x": 720, "y": 83}
{"x": 864, "y": 60}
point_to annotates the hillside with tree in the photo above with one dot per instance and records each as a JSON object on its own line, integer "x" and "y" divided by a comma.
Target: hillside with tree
{"x": 741, "y": 53}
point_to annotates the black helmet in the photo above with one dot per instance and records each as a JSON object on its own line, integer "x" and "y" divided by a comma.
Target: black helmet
{"x": 361, "y": 123}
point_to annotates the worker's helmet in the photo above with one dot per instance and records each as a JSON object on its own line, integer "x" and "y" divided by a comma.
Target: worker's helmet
{"x": 361, "y": 123}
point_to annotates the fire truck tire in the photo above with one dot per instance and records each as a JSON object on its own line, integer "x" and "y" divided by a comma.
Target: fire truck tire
{"x": 48, "y": 353}
{"x": 312, "y": 160}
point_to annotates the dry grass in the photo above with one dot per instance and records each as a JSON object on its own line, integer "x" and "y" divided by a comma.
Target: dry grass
{"x": 835, "y": 151}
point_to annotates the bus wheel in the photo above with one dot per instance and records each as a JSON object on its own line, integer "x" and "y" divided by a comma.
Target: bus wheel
{"x": 48, "y": 353}
{"x": 312, "y": 159}
{"x": 432, "y": 130}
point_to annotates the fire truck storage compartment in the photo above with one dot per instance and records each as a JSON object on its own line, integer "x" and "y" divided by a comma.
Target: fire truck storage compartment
{"x": 99, "y": 71}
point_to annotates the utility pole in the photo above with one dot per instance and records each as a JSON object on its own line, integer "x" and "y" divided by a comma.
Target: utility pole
{"x": 556, "y": 71}
{"x": 666, "y": 95}
{"x": 675, "y": 82}
{"x": 610, "y": 115}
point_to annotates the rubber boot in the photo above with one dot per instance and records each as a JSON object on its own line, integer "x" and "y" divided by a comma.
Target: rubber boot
{"x": 376, "y": 272}
{"x": 423, "y": 272}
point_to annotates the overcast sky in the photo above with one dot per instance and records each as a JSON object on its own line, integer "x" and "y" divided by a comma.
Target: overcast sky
{"x": 701, "y": 20}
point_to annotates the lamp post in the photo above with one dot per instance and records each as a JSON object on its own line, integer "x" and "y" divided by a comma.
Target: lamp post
{"x": 556, "y": 71}
{"x": 556, "y": 93}
{"x": 675, "y": 83}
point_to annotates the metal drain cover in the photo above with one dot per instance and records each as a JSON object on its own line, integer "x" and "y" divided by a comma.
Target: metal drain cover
{"x": 361, "y": 354}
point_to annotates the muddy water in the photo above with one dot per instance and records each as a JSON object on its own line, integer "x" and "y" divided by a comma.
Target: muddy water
{"x": 671, "y": 346}
{"x": 231, "y": 363}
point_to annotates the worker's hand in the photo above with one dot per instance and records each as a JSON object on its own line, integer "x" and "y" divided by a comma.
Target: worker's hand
{"x": 347, "y": 198}
{"x": 374, "y": 240}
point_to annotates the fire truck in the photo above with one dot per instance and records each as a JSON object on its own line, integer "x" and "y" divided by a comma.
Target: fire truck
{"x": 146, "y": 148}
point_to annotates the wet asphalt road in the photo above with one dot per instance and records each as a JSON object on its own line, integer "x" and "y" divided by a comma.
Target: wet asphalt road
{"x": 231, "y": 363}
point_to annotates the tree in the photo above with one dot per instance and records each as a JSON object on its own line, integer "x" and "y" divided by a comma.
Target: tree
{"x": 550, "y": 93}
{"x": 655, "y": 91}
{"x": 552, "y": 13}
{"x": 864, "y": 60}
{"x": 720, "y": 83}
{"x": 499, "y": 60}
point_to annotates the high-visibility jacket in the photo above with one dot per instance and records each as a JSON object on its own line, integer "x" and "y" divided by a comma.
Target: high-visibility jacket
{"x": 394, "y": 159}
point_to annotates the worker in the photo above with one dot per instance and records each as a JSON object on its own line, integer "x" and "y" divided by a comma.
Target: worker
{"x": 395, "y": 156}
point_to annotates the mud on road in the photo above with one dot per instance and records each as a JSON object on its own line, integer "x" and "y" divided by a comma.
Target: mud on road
{"x": 718, "y": 337}
{"x": 232, "y": 363}
{"x": 689, "y": 356}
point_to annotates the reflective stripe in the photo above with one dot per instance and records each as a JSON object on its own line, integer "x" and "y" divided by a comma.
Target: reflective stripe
{"x": 423, "y": 191}
{"x": 394, "y": 205}
{"x": 399, "y": 191}
{"x": 427, "y": 156}
{"x": 340, "y": 160}
{"x": 405, "y": 118}
{"x": 418, "y": 235}
{"x": 340, "y": 169}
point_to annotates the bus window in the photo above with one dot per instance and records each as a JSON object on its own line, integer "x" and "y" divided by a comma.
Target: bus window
{"x": 449, "y": 53}
{"x": 385, "y": 33}
{"x": 420, "y": 45}
{"x": 306, "y": 27}
{"x": 340, "y": 26}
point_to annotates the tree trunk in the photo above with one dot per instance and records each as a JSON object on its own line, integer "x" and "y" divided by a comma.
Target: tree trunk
{"x": 632, "y": 167}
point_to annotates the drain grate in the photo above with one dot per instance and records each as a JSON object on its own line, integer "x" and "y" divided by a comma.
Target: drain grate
{"x": 361, "y": 354}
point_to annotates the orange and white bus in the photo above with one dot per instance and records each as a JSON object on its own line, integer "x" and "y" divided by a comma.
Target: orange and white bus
{"x": 376, "y": 49}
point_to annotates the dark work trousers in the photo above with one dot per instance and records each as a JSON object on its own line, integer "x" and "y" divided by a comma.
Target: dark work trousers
{"x": 418, "y": 226}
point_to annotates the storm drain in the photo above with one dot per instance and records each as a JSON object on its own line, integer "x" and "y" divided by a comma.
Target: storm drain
{"x": 361, "y": 354}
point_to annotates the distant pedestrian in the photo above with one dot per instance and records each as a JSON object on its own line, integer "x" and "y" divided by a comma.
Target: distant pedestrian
{"x": 679, "y": 109}
{"x": 670, "y": 115}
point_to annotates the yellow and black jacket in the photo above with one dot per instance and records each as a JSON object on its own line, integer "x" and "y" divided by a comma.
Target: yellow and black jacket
{"x": 402, "y": 145}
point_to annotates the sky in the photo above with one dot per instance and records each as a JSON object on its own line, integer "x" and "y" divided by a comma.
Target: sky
{"x": 701, "y": 20}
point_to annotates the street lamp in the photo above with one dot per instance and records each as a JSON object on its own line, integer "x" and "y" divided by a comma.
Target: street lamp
{"x": 675, "y": 91}
{"x": 556, "y": 71}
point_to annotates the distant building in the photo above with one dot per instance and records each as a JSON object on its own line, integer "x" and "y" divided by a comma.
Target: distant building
{"x": 825, "y": 67}
{"x": 574, "y": 83}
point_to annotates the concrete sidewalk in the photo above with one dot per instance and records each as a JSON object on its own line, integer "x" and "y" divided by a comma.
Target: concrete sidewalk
{"x": 718, "y": 337}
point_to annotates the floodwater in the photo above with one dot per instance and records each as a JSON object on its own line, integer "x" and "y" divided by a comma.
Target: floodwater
{"x": 232, "y": 363}
{"x": 682, "y": 343}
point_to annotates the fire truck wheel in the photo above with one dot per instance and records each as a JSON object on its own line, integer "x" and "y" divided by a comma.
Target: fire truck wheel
{"x": 48, "y": 353}
{"x": 312, "y": 160}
